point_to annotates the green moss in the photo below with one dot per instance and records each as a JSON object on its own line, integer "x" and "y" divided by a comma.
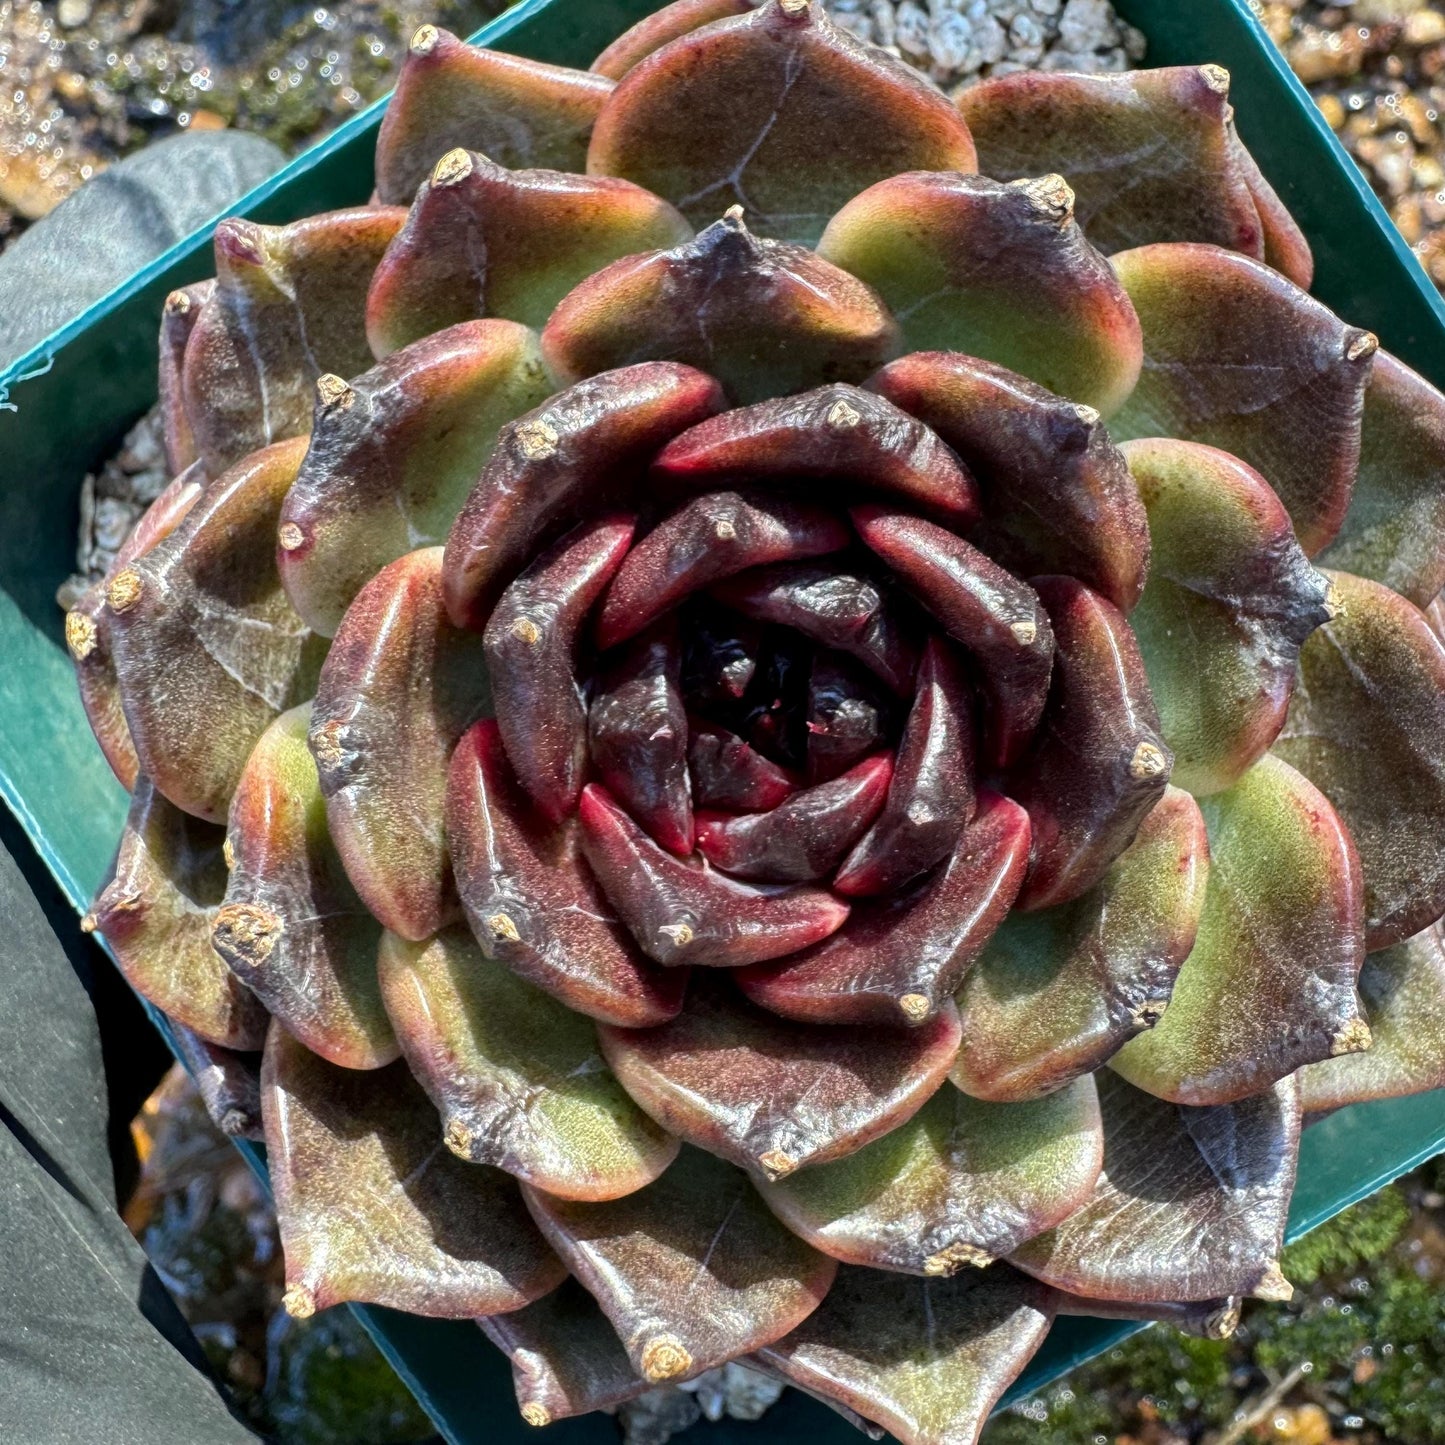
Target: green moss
{"x": 332, "y": 1387}
{"x": 1351, "y": 1240}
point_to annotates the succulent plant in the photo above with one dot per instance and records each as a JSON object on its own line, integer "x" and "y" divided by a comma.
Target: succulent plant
{"x": 655, "y": 689}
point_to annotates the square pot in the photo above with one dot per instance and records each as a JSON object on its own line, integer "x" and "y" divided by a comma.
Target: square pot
{"x": 65, "y": 406}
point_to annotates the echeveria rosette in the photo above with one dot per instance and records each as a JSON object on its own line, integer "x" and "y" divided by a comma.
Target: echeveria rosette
{"x": 754, "y": 705}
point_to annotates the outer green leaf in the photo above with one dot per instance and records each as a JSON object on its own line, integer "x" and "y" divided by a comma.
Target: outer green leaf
{"x": 519, "y": 112}
{"x": 1151, "y": 154}
{"x": 1394, "y": 531}
{"x": 1367, "y": 727}
{"x": 372, "y": 1207}
{"x": 1191, "y": 1204}
{"x": 1238, "y": 357}
{"x": 1229, "y": 602}
{"x": 1270, "y": 985}
{"x": 1057, "y": 991}
{"x": 999, "y": 271}
{"x": 566, "y": 1357}
{"x": 86, "y": 630}
{"x": 207, "y": 647}
{"x": 692, "y": 1270}
{"x": 1404, "y": 992}
{"x": 288, "y": 306}
{"x": 155, "y": 912}
{"x": 393, "y": 456}
{"x": 959, "y": 1184}
{"x": 481, "y": 240}
{"x": 926, "y": 1359}
{"x": 518, "y": 1078}
{"x": 291, "y": 927}
{"x": 740, "y": 111}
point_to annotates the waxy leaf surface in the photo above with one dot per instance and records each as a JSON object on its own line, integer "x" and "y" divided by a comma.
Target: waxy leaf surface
{"x": 1367, "y": 727}
{"x": 399, "y": 687}
{"x": 1270, "y": 984}
{"x": 86, "y": 627}
{"x": 837, "y": 434}
{"x": 481, "y": 240}
{"x": 652, "y": 32}
{"x": 531, "y": 644}
{"x": 207, "y": 647}
{"x": 693, "y": 1270}
{"x": 765, "y": 317}
{"x": 1404, "y": 992}
{"x": 949, "y": 1350}
{"x": 533, "y": 902}
{"x": 288, "y": 306}
{"x": 805, "y": 836}
{"x": 371, "y": 1205}
{"x": 516, "y": 1076}
{"x": 1190, "y": 1206}
{"x": 931, "y": 795}
{"x": 292, "y": 927}
{"x": 740, "y": 111}
{"x": 1057, "y": 991}
{"x": 1150, "y": 154}
{"x": 155, "y": 912}
{"x": 769, "y": 1094}
{"x": 178, "y": 319}
{"x": 574, "y": 457}
{"x": 1394, "y": 531}
{"x": 898, "y": 960}
{"x": 1240, "y": 358}
{"x": 1229, "y": 602}
{"x": 393, "y": 456}
{"x": 1056, "y": 494}
{"x": 683, "y": 910}
{"x": 1098, "y": 764}
{"x": 959, "y": 1184}
{"x": 703, "y": 541}
{"x": 566, "y": 1357}
{"x": 998, "y": 620}
{"x": 449, "y": 94}
{"x": 996, "y": 270}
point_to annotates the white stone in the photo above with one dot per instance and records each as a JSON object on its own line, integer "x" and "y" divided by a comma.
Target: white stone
{"x": 1087, "y": 25}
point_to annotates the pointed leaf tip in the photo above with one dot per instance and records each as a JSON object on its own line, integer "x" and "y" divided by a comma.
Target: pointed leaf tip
{"x": 449, "y": 94}
{"x": 1228, "y": 576}
{"x": 156, "y": 911}
{"x": 741, "y": 109}
{"x": 1191, "y": 1203}
{"x": 692, "y": 1270}
{"x": 775, "y": 1096}
{"x": 1240, "y": 358}
{"x": 1270, "y": 983}
{"x": 765, "y": 317}
{"x": 516, "y": 1076}
{"x": 482, "y": 240}
{"x": 1367, "y": 727}
{"x": 997, "y": 270}
{"x": 373, "y": 1208}
{"x": 291, "y": 926}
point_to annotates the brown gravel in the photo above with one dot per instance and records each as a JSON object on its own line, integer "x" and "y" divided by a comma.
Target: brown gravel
{"x": 1376, "y": 69}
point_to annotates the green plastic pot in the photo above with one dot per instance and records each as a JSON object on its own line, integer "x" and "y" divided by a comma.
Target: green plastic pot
{"x": 68, "y": 403}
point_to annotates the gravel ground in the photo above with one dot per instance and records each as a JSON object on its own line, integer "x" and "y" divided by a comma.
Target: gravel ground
{"x": 1376, "y": 69}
